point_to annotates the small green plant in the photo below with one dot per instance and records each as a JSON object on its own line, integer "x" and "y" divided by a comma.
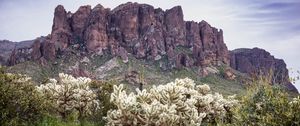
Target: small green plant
{"x": 222, "y": 70}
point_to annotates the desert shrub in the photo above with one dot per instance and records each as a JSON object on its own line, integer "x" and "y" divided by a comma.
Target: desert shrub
{"x": 176, "y": 103}
{"x": 264, "y": 104}
{"x": 222, "y": 70}
{"x": 294, "y": 111}
{"x": 70, "y": 96}
{"x": 103, "y": 90}
{"x": 20, "y": 103}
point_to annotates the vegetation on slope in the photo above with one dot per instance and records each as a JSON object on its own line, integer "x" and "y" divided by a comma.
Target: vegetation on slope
{"x": 150, "y": 72}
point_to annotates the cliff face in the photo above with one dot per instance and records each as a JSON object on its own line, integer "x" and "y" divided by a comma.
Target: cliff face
{"x": 139, "y": 29}
{"x": 260, "y": 63}
{"x": 144, "y": 32}
{"x": 149, "y": 33}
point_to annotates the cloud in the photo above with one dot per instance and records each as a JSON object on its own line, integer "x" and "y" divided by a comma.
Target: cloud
{"x": 273, "y": 16}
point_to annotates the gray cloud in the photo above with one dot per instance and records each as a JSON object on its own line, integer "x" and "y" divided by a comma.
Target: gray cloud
{"x": 277, "y": 16}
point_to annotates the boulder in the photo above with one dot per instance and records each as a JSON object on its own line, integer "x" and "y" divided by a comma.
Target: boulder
{"x": 229, "y": 74}
{"x": 132, "y": 77}
{"x": 123, "y": 54}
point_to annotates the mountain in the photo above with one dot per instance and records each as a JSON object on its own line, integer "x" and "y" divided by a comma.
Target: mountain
{"x": 134, "y": 41}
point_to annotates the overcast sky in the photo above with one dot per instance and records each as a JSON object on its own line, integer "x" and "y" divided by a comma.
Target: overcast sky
{"x": 270, "y": 24}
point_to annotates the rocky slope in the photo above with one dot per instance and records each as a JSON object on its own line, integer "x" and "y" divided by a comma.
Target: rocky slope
{"x": 139, "y": 30}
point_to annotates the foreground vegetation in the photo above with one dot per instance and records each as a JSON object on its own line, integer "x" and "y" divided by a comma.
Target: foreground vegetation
{"x": 70, "y": 101}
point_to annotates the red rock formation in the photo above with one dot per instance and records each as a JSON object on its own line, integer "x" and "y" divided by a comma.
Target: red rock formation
{"x": 208, "y": 44}
{"x": 143, "y": 31}
{"x": 260, "y": 63}
{"x": 175, "y": 27}
{"x": 138, "y": 29}
{"x": 36, "y": 50}
{"x": 147, "y": 33}
{"x": 48, "y": 50}
{"x": 213, "y": 46}
{"x": 79, "y": 22}
{"x": 95, "y": 35}
{"x": 61, "y": 30}
{"x": 175, "y": 31}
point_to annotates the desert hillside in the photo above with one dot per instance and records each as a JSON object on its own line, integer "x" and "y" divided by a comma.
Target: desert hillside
{"x": 137, "y": 65}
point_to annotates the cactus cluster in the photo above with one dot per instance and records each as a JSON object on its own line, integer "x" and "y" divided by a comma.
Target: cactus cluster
{"x": 177, "y": 103}
{"x": 69, "y": 93}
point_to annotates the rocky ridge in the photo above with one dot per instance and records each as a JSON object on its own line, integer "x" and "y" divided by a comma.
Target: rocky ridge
{"x": 146, "y": 33}
{"x": 260, "y": 63}
{"x": 138, "y": 29}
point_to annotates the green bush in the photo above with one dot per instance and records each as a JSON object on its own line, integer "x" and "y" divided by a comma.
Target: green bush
{"x": 267, "y": 105}
{"x": 20, "y": 103}
{"x": 103, "y": 90}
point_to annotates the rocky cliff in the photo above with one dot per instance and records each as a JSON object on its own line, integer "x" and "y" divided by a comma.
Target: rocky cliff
{"x": 142, "y": 31}
{"x": 259, "y": 63}
{"x": 139, "y": 29}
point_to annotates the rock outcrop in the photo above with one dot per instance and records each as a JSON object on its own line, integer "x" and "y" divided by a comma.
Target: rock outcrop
{"x": 134, "y": 78}
{"x": 12, "y": 53}
{"x": 48, "y": 49}
{"x": 95, "y": 36}
{"x": 208, "y": 46}
{"x": 79, "y": 22}
{"x": 260, "y": 63}
{"x": 6, "y": 49}
{"x": 61, "y": 30}
{"x": 146, "y": 33}
{"x": 139, "y": 29}
{"x": 32, "y": 50}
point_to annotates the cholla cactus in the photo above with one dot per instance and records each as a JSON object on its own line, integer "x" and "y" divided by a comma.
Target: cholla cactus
{"x": 295, "y": 100}
{"x": 19, "y": 78}
{"x": 294, "y": 111}
{"x": 70, "y": 94}
{"x": 176, "y": 103}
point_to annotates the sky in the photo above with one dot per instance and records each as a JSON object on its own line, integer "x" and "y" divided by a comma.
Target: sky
{"x": 273, "y": 25}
